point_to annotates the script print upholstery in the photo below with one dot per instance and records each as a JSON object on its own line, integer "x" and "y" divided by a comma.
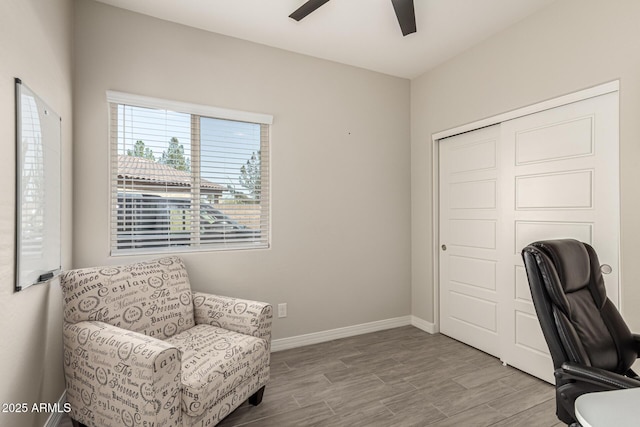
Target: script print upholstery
{"x": 125, "y": 371}
{"x": 119, "y": 378}
{"x": 153, "y": 298}
{"x": 215, "y": 362}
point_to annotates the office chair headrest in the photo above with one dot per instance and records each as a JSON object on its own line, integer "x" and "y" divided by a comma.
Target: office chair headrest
{"x": 571, "y": 260}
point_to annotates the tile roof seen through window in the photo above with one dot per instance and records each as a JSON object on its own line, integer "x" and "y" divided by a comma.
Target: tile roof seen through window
{"x": 144, "y": 170}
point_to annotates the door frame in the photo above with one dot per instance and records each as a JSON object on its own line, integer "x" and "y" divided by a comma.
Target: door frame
{"x": 591, "y": 92}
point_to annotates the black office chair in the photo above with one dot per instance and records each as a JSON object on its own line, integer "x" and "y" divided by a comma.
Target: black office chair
{"x": 591, "y": 346}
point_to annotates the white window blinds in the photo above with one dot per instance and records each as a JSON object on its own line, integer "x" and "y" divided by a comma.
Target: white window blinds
{"x": 187, "y": 177}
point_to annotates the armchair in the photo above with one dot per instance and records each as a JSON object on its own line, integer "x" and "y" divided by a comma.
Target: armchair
{"x": 591, "y": 347}
{"x": 141, "y": 349}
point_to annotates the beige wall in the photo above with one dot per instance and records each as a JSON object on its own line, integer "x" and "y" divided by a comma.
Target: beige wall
{"x": 571, "y": 45}
{"x": 340, "y": 251}
{"x": 36, "y": 46}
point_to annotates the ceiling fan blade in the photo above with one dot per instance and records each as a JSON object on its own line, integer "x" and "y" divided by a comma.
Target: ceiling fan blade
{"x": 406, "y": 15}
{"x": 307, "y": 8}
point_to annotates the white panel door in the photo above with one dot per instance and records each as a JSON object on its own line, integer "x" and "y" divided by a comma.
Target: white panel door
{"x": 548, "y": 175}
{"x": 469, "y": 224}
{"x": 560, "y": 170}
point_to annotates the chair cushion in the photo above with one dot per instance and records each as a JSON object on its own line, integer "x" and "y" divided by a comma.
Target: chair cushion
{"x": 572, "y": 262}
{"x": 153, "y": 298}
{"x": 582, "y": 325}
{"x": 214, "y": 362}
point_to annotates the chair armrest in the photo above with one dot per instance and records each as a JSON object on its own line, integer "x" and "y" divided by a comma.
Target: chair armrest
{"x": 115, "y": 376}
{"x": 597, "y": 376}
{"x": 636, "y": 343}
{"x": 238, "y": 315}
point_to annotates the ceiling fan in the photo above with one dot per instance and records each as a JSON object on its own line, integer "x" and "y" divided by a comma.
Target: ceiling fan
{"x": 404, "y": 11}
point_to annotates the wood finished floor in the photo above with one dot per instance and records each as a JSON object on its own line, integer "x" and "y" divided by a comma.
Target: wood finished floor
{"x": 397, "y": 377}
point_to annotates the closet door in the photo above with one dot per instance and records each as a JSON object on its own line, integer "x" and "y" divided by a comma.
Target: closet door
{"x": 549, "y": 175}
{"x": 561, "y": 180}
{"x": 469, "y": 223}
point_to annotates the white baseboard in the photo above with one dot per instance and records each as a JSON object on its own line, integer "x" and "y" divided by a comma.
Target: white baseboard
{"x": 334, "y": 334}
{"x": 55, "y": 417}
{"x": 424, "y": 325}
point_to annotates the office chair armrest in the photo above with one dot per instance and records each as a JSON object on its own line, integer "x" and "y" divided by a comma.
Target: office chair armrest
{"x": 607, "y": 379}
{"x": 636, "y": 343}
{"x": 238, "y": 315}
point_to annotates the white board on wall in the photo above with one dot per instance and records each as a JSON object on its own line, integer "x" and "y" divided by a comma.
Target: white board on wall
{"x": 38, "y": 172}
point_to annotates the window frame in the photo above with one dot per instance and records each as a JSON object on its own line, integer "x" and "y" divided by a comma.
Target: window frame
{"x": 197, "y": 112}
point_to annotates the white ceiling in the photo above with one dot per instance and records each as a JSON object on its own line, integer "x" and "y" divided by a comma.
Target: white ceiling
{"x": 362, "y": 33}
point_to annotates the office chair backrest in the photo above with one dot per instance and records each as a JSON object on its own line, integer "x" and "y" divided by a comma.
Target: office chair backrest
{"x": 579, "y": 322}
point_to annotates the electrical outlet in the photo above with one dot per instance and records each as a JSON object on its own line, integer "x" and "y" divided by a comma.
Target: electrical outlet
{"x": 282, "y": 309}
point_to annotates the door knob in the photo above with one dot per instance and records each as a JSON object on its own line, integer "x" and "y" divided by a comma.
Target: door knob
{"x": 444, "y": 247}
{"x": 605, "y": 269}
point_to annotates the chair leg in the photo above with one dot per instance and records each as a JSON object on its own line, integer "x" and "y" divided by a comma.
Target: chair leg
{"x": 256, "y": 398}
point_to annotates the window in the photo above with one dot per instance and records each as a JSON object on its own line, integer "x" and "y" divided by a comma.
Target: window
{"x": 187, "y": 177}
